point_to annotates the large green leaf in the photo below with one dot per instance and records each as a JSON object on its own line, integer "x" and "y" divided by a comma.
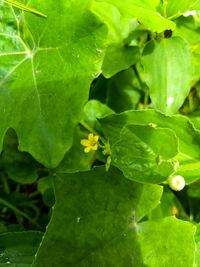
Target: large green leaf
{"x": 96, "y": 223}
{"x": 164, "y": 242}
{"x": 46, "y": 67}
{"x": 143, "y": 153}
{"x": 18, "y": 249}
{"x": 189, "y": 138}
{"x": 144, "y": 13}
{"x": 119, "y": 54}
{"x": 94, "y": 219}
{"x": 168, "y": 71}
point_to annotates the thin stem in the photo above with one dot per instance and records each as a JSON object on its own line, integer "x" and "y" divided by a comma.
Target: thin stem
{"x": 16, "y": 210}
{"x": 23, "y": 7}
{"x": 34, "y": 194}
{"x": 87, "y": 127}
{"x": 35, "y": 208}
{"x": 5, "y": 184}
{"x": 143, "y": 87}
{"x": 138, "y": 77}
{"x": 165, "y": 8}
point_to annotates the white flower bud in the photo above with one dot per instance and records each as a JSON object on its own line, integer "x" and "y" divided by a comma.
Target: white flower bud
{"x": 176, "y": 183}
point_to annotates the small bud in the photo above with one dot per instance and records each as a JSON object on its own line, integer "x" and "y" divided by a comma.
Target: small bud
{"x": 176, "y": 183}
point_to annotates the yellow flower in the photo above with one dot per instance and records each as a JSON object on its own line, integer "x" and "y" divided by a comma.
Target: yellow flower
{"x": 91, "y": 143}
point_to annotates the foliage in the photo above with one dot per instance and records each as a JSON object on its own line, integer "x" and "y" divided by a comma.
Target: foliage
{"x": 100, "y": 132}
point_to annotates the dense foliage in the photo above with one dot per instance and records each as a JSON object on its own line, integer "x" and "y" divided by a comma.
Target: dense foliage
{"x": 100, "y": 133}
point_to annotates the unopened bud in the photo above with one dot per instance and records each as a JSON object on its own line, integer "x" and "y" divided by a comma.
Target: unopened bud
{"x": 176, "y": 182}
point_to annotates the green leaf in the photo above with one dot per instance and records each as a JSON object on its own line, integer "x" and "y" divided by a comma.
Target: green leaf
{"x": 99, "y": 226}
{"x": 152, "y": 20}
{"x": 76, "y": 159}
{"x": 94, "y": 110}
{"x": 18, "y": 249}
{"x": 123, "y": 91}
{"x": 177, "y": 7}
{"x": 143, "y": 153}
{"x": 189, "y": 138}
{"x": 119, "y": 55}
{"x": 188, "y": 28}
{"x": 164, "y": 243}
{"x": 197, "y": 240}
{"x": 165, "y": 64}
{"x": 100, "y": 220}
{"x": 46, "y": 70}
{"x": 19, "y": 166}
{"x": 189, "y": 170}
{"x": 2, "y": 228}
{"x": 45, "y": 188}
{"x": 169, "y": 205}
{"x": 119, "y": 58}
{"x": 196, "y": 6}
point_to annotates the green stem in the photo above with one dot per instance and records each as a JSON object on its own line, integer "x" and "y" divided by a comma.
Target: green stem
{"x": 87, "y": 127}
{"x": 190, "y": 166}
{"x": 35, "y": 208}
{"x": 165, "y": 8}
{"x": 23, "y": 7}
{"x": 16, "y": 210}
{"x": 34, "y": 194}
{"x": 5, "y": 184}
{"x": 138, "y": 77}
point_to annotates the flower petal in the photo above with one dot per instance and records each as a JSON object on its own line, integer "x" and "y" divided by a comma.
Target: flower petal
{"x": 96, "y": 138}
{"x": 87, "y": 149}
{"x": 85, "y": 142}
{"x": 95, "y": 147}
{"x": 90, "y": 137}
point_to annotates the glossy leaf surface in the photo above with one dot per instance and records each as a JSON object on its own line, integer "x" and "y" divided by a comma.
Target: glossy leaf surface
{"x": 45, "y": 65}
{"x": 143, "y": 153}
{"x": 18, "y": 249}
{"x": 168, "y": 72}
{"x": 189, "y": 138}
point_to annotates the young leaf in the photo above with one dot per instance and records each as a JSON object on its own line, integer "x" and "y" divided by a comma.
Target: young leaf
{"x": 23, "y": 7}
{"x": 143, "y": 153}
{"x": 61, "y": 61}
{"x": 168, "y": 71}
